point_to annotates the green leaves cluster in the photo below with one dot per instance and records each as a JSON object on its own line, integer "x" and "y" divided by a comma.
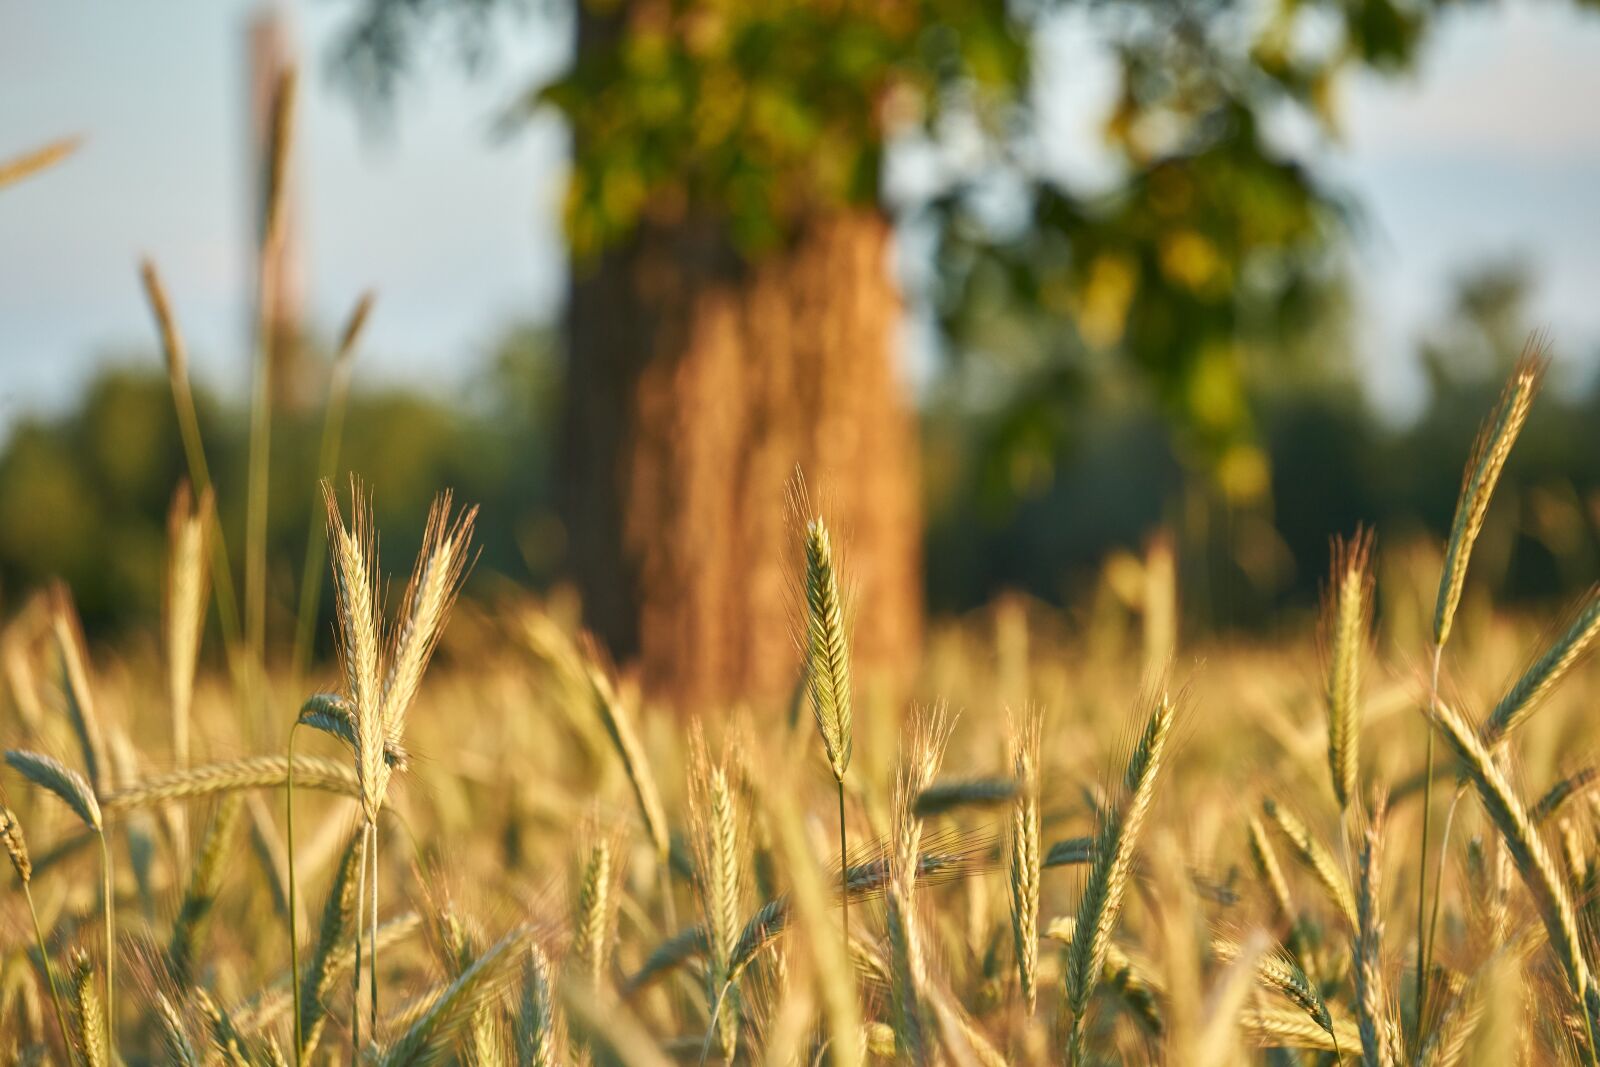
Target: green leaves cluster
{"x": 752, "y": 116}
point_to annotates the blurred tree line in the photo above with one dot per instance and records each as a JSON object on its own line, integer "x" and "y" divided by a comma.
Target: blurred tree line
{"x": 86, "y": 493}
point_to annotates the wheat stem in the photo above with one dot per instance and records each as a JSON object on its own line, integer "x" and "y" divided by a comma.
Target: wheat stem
{"x": 109, "y": 892}
{"x": 355, "y": 972}
{"x": 844, "y": 869}
{"x": 327, "y": 459}
{"x": 16, "y": 848}
{"x": 1424, "y": 942}
{"x": 372, "y": 938}
{"x": 49, "y": 968}
{"x": 194, "y": 449}
{"x": 294, "y": 913}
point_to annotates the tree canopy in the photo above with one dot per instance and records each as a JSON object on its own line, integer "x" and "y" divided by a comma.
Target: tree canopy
{"x": 1215, "y": 236}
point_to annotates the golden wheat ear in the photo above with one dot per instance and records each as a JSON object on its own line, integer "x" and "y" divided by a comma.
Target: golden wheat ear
{"x": 359, "y": 633}
{"x": 596, "y": 880}
{"x": 1545, "y": 673}
{"x": 436, "y": 579}
{"x": 184, "y": 615}
{"x": 89, "y": 1012}
{"x": 1495, "y": 438}
{"x": 1529, "y": 854}
{"x": 827, "y": 648}
{"x": 909, "y": 984}
{"x": 16, "y": 846}
{"x": 717, "y": 835}
{"x": 73, "y": 659}
{"x": 1347, "y": 616}
{"x": 49, "y": 773}
{"x": 1023, "y": 849}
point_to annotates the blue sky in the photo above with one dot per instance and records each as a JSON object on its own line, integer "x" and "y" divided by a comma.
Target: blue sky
{"x": 1490, "y": 150}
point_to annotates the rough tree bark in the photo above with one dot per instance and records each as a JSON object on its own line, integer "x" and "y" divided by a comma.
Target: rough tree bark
{"x": 699, "y": 380}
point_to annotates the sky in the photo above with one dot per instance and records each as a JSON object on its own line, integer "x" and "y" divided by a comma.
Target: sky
{"x": 1488, "y": 151}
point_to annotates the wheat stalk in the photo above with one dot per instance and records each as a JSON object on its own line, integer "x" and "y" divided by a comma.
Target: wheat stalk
{"x": 15, "y": 845}
{"x": 827, "y": 649}
{"x": 593, "y": 903}
{"x": 310, "y": 598}
{"x": 435, "y": 580}
{"x": 75, "y": 687}
{"x": 1269, "y": 869}
{"x": 254, "y": 772}
{"x": 226, "y": 1040}
{"x": 93, "y": 1040}
{"x": 16, "y": 849}
{"x": 1279, "y": 972}
{"x": 929, "y": 734}
{"x": 1101, "y": 903}
{"x": 863, "y": 881}
{"x": 1133, "y": 981}
{"x": 1482, "y": 472}
{"x": 331, "y": 714}
{"x": 1445, "y": 1045}
{"x": 1023, "y": 865}
{"x": 714, "y": 821}
{"x": 193, "y": 446}
{"x": 1072, "y": 851}
{"x": 1545, "y": 673}
{"x": 827, "y": 646}
{"x": 339, "y": 920}
{"x": 185, "y": 608}
{"x": 459, "y": 948}
{"x": 1556, "y": 797}
{"x": 174, "y": 1033}
{"x": 360, "y": 638}
{"x": 1379, "y": 1038}
{"x": 941, "y": 798}
{"x": 827, "y": 954}
{"x": 1347, "y": 607}
{"x": 1280, "y": 1028}
{"x": 204, "y": 883}
{"x": 66, "y": 783}
{"x": 382, "y": 698}
{"x": 278, "y": 997}
{"x": 536, "y": 1023}
{"x": 619, "y": 727}
{"x": 280, "y": 137}
{"x": 1315, "y": 857}
{"x": 453, "y": 1006}
{"x": 1531, "y": 858}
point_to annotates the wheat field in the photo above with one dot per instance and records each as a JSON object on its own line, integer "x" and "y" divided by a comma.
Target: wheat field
{"x": 1081, "y": 841}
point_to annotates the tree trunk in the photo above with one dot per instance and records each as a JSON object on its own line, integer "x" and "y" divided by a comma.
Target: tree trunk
{"x": 699, "y": 382}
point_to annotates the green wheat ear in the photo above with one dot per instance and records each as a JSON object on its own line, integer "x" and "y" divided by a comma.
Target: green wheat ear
{"x": 827, "y": 649}
{"x": 1111, "y": 868}
{"x": 1489, "y": 454}
{"x": 1347, "y": 608}
{"x": 1546, "y": 672}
